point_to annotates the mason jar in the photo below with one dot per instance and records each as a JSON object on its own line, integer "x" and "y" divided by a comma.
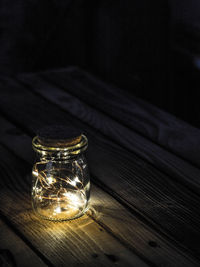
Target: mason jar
{"x": 60, "y": 177}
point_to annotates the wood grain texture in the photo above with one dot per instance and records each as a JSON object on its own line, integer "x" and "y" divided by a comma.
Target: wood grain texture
{"x": 145, "y": 195}
{"x": 82, "y": 242}
{"x": 152, "y": 196}
{"x": 161, "y": 201}
{"x": 156, "y": 125}
{"x": 13, "y": 250}
{"x": 111, "y": 216}
{"x": 60, "y": 89}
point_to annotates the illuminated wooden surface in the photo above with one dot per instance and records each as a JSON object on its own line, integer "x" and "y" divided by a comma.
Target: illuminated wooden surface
{"x": 140, "y": 215}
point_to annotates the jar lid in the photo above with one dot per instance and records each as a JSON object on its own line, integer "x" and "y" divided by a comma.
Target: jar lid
{"x": 58, "y": 138}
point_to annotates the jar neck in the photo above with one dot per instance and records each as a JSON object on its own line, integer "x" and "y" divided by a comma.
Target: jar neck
{"x": 52, "y": 152}
{"x": 57, "y": 157}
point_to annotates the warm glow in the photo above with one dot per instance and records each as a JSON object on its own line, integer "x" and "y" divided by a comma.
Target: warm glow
{"x": 77, "y": 180}
{"x": 55, "y": 200}
{"x": 58, "y": 210}
{"x": 35, "y": 173}
{"x": 51, "y": 180}
{"x": 72, "y": 197}
{"x": 72, "y": 183}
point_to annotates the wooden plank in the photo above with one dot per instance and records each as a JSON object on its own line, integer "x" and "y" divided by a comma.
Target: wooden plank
{"x": 164, "y": 160}
{"x": 14, "y": 251}
{"x": 108, "y": 213}
{"x": 80, "y": 242}
{"x": 157, "y": 125}
{"x": 162, "y": 203}
{"x": 156, "y": 199}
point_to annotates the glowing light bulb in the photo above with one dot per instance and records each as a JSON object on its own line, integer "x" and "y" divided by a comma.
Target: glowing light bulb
{"x": 35, "y": 173}
{"x": 74, "y": 199}
{"x": 76, "y": 179}
{"x": 37, "y": 190}
{"x": 72, "y": 183}
{"x": 58, "y": 210}
{"x": 51, "y": 180}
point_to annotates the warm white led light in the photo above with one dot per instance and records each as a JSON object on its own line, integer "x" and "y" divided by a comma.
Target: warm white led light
{"x": 58, "y": 210}
{"x": 35, "y": 173}
{"x": 72, "y": 183}
{"x": 50, "y": 180}
{"x": 74, "y": 199}
{"x": 77, "y": 180}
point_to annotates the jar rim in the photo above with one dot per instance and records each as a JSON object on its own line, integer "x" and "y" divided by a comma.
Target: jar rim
{"x": 65, "y": 150}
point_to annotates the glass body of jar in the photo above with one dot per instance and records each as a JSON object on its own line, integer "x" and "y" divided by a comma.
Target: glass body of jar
{"x": 60, "y": 179}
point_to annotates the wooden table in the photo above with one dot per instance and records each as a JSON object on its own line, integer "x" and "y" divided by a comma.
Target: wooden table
{"x": 145, "y": 193}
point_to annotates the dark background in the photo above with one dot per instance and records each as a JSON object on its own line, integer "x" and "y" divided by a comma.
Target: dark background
{"x": 150, "y": 48}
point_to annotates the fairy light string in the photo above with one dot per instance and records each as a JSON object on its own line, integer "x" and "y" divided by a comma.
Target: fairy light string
{"x": 48, "y": 181}
{"x": 61, "y": 182}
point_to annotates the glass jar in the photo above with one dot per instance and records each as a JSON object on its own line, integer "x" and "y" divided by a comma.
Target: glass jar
{"x": 60, "y": 178}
